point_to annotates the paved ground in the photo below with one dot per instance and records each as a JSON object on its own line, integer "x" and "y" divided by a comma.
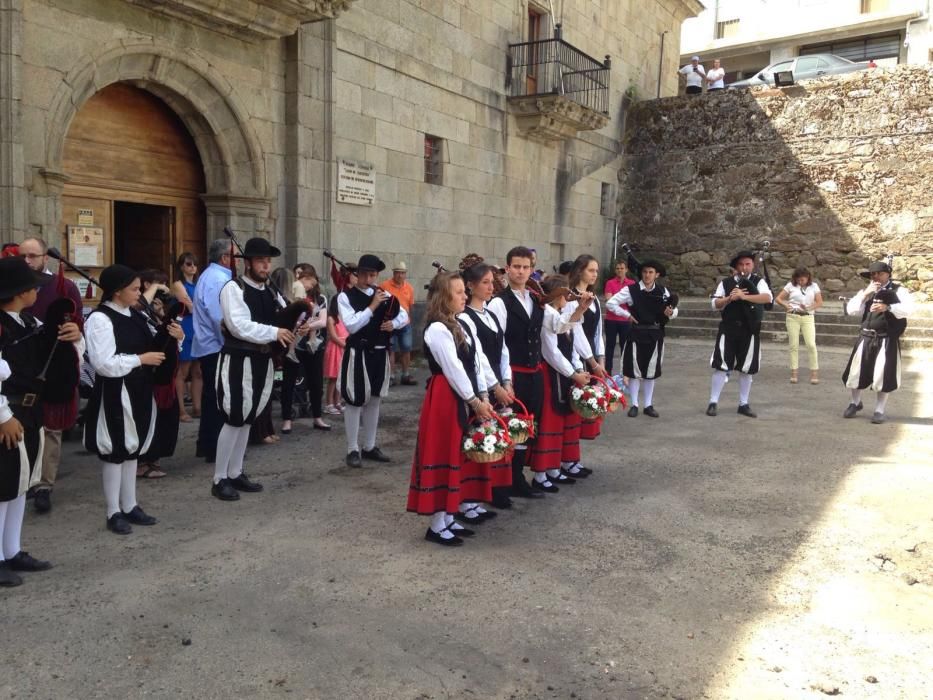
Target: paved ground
{"x": 724, "y": 558}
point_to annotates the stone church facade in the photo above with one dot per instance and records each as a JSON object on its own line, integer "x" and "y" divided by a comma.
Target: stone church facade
{"x": 416, "y": 129}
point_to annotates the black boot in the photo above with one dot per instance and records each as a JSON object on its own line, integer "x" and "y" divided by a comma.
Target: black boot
{"x": 520, "y": 487}
{"x": 500, "y": 497}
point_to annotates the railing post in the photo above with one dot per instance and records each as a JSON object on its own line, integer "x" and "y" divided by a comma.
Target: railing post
{"x": 557, "y": 31}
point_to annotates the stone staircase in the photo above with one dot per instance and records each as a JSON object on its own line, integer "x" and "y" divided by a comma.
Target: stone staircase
{"x": 697, "y": 319}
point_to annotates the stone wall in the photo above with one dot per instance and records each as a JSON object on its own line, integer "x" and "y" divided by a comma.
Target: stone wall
{"x": 832, "y": 172}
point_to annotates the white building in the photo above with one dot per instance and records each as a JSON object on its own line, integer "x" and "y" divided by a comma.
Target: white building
{"x": 748, "y": 35}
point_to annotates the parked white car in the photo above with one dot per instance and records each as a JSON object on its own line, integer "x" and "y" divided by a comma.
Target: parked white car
{"x": 803, "y": 67}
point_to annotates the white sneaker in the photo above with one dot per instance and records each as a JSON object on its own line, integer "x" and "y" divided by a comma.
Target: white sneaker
{"x": 330, "y": 409}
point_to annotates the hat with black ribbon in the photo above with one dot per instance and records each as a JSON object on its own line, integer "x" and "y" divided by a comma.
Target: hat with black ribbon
{"x": 259, "y": 248}
{"x": 650, "y": 262}
{"x": 17, "y": 277}
{"x": 877, "y": 266}
{"x": 370, "y": 262}
{"x": 738, "y": 256}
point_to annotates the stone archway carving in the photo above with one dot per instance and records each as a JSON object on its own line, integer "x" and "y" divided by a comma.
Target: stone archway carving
{"x": 204, "y": 101}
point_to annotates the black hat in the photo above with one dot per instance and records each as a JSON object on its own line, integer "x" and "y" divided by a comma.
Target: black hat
{"x": 259, "y": 248}
{"x": 877, "y": 266}
{"x": 370, "y": 262}
{"x": 738, "y": 256}
{"x": 115, "y": 278}
{"x": 565, "y": 267}
{"x": 658, "y": 267}
{"x": 17, "y": 277}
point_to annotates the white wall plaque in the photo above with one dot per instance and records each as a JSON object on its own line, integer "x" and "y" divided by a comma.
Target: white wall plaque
{"x": 356, "y": 182}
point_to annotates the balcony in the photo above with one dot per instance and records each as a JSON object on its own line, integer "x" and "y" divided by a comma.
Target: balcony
{"x": 249, "y": 19}
{"x": 556, "y": 90}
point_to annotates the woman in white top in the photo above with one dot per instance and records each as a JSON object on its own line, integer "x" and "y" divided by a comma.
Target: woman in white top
{"x": 801, "y": 297}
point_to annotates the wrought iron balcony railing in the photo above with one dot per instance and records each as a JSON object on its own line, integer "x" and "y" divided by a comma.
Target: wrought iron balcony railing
{"x": 554, "y": 67}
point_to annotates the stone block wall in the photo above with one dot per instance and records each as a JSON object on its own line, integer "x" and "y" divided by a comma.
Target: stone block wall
{"x": 833, "y": 173}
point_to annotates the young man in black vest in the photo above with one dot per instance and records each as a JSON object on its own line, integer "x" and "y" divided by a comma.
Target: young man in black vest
{"x": 245, "y": 369}
{"x": 875, "y": 362}
{"x": 740, "y": 299}
{"x": 649, "y": 308}
{"x": 27, "y": 354}
{"x": 370, "y": 315}
{"x": 520, "y": 316}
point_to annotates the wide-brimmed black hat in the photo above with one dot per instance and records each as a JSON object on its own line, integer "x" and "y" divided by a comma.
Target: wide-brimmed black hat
{"x": 877, "y": 266}
{"x": 656, "y": 264}
{"x": 259, "y": 248}
{"x": 116, "y": 277}
{"x": 738, "y": 256}
{"x": 370, "y": 262}
{"x": 16, "y": 277}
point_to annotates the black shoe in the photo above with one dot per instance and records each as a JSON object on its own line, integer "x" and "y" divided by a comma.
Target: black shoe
{"x": 376, "y": 455}
{"x": 408, "y": 380}
{"x": 579, "y": 475}
{"x": 746, "y": 410}
{"x": 711, "y": 409}
{"x": 633, "y": 411}
{"x": 477, "y": 519}
{"x": 489, "y": 515}
{"x": 138, "y": 516}
{"x": 24, "y": 562}
{"x": 562, "y": 479}
{"x": 43, "y": 501}
{"x": 540, "y": 486}
{"x": 582, "y": 473}
{"x": 118, "y": 524}
{"x": 877, "y": 418}
{"x": 649, "y": 411}
{"x": 521, "y": 489}
{"x": 460, "y": 531}
{"x": 432, "y": 536}
{"x": 852, "y": 409}
{"x": 500, "y": 498}
{"x": 8, "y": 577}
{"x": 224, "y": 491}
{"x": 243, "y": 483}
{"x": 353, "y": 460}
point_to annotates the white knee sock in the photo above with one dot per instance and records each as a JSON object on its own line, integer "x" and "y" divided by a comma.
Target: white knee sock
{"x": 745, "y": 387}
{"x": 856, "y": 396}
{"x": 633, "y": 385}
{"x": 13, "y": 526}
{"x": 881, "y": 401}
{"x": 649, "y": 391}
{"x": 439, "y": 522}
{"x": 351, "y": 425}
{"x": 128, "y": 485}
{"x": 553, "y": 473}
{"x": 239, "y": 452}
{"x": 717, "y": 383}
{"x": 226, "y": 443}
{"x": 370, "y": 422}
{"x": 111, "y": 474}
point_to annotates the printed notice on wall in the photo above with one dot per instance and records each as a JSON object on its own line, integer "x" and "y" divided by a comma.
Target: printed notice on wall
{"x": 356, "y": 182}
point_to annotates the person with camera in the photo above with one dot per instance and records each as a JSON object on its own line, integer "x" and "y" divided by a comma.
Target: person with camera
{"x": 801, "y": 297}
{"x": 695, "y": 75}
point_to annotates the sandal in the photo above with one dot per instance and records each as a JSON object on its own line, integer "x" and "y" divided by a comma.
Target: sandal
{"x": 269, "y": 440}
{"x": 147, "y": 470}
{"x": 184, "y": 418}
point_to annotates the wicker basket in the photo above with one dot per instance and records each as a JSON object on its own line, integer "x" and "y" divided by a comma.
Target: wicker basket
{"x": 481, "y": 457}
{"x": 585, "y": 411}
{"x": 615, "y": 405}
{"x": 520, "y": 438}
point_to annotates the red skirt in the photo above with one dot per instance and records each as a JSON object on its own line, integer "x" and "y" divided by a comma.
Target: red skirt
{"x": 549, "y": 441}
{"x": 591, "y": 428}
{"x": 570, "y": 452}
{"x": 441, "y": 478}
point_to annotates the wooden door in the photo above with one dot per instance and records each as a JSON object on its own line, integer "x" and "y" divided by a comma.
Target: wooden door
{"x": 535, "y": 25}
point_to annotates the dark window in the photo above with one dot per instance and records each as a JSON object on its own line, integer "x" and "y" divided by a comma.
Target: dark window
{"x": 433, "y": 163}
{"x": 606, "y": 200}
{"x": 727, "y": 29}
{"x": 877, "y": 46}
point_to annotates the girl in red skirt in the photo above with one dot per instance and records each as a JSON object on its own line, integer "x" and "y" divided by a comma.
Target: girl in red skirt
{"x": 441, "y": 477}
{"x": 562, "y": 370}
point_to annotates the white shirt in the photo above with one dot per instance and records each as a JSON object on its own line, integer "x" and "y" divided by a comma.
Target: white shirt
{"x": 497, "y": 306}
{"x": 102, "y": 346}
{"x": 801, "y": 297}
{"x": 552, "y": 325}
{"x": 505, "y": 369}
{"x": 580, "y": 342}
{"x": 714, "y": 78}
{"x": 443, "y": 347}
{"x": 720, "y": 292}
{"x": 237, "y": 317}
{"x": 903, "y": 309}
{"x": 694, "y": 77}
{"x": 623, "y": 296}
{"x": 353, "y": 321}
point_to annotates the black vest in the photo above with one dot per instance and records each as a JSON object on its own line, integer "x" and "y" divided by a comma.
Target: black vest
{"x": 262, "y": 309}
{"x": 26, "y": 354}
{"x": 466, "y": 353}
{"x": 369, "y": 336}
{"x": 522, "y": 334}
{"x": 132, "y": 336}
{"x": 742, "y": 316}
{"x": 591, "y": 323}
{"x": 490, "y": 340}
{"x": 562, "y": 385}
{"x": 884, "y": 322}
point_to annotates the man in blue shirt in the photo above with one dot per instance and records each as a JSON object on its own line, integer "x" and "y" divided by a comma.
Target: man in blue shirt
{"x": 208, "y": 340}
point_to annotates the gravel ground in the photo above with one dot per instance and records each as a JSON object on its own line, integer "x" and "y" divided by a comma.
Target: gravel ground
{"x": 788, "y": 556}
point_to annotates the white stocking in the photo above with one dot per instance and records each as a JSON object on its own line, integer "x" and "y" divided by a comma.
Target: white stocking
{"x": 634, "y": 384}
{"x": 351, "y": 425}
{"x": 649, "y": 391}
{"x": 239, "y": 452}
{"x": 128, "y": 485}
{"x": 718, "y": 382}
{"x": 226, "y": 443}
{"x": 745, "y": 387}
{"x": 880, "y": 403}
{"x": 369, "y": 422}
{"x": 111, "y": 474}
{"x": 13, "y": 526}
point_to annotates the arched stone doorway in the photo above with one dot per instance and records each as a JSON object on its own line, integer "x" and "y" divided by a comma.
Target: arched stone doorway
{"x": 134, "y": 174}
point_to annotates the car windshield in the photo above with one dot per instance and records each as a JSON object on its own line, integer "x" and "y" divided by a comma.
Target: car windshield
{"x": 768, "y": 73}
{"x": 837, "y": 60}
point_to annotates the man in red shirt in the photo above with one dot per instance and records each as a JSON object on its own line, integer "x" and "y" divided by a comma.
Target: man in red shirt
{"x": 399, "y": 287}
{"x": 616, "y": 326}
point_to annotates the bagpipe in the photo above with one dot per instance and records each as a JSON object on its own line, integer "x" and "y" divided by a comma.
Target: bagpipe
{"x": 761, "y": 263}
{"x": 388, "y": 309}
{"x": 882, "y": 296}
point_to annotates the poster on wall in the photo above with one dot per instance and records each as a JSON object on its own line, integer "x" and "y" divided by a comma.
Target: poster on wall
{"x": 356, "y": 182}
{"x": 86, "y": 245}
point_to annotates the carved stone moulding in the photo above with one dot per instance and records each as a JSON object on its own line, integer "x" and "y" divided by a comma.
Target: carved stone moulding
{"x": 554, "y": 117}
{"x": 249, "y": 19}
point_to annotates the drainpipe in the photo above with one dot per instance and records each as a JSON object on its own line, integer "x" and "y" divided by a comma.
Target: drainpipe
{"x": 661, "y": 61}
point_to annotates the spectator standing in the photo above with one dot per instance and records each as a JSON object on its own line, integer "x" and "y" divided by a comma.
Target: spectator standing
{"x": 333, "y": 354}
{"x": 801, "y": 297}
{"x": 617, "y": 327}
{"x": 35, "y": 251}
{"x": 186, "y": 277}
{"x": 399, "y": 287}
{"x": 312, "y": 346}
{"x": 715, "y": 78}
{"x": 208, "y": 340}
{"x": 694, "y": 74}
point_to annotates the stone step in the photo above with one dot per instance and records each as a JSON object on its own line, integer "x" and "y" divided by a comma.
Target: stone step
{"x": 833, "y": 335}
{"x": 822, "y": 326}
{"x": 831, "y": 306}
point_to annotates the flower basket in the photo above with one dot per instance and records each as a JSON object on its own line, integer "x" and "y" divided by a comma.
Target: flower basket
{"x": 589, "y": 401}
{"x": 486, "y": 440}
{"x": 616, "y": 396}
{"x": 521, "y": 426}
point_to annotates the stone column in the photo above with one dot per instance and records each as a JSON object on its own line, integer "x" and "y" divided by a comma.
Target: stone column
{"x": 12, "y": 175}
{"x": 246, "y": 216}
